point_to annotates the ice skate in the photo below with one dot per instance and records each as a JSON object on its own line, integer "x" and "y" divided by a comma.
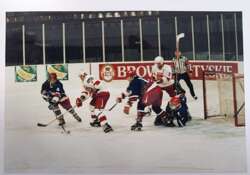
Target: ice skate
{"x": 95, "y": 123}
{"x": 107, "y": 128}
{"x": 136, "y": 127}
{"x": 61, "y": 121}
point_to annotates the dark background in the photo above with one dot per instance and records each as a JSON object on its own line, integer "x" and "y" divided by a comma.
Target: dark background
{"x": 86, "y": 44}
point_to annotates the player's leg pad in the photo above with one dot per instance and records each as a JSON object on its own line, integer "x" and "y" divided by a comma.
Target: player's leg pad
{"x": 60, "y": 119}
{"x": 107, "y": 128}
{"x": 168, "y": 122}
{"x": 76, "y": 116}
{"x": 137, "y": 126}
{"x": 159, "y": 120}
{"x": 167, "y": 119}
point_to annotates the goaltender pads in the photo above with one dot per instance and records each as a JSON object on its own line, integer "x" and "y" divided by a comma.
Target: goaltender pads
{"x": 223, "y": 96}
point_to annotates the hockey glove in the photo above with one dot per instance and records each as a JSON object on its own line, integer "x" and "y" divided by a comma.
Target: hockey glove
{"x": 126, "y": 109}
{"x": 46, "y": 96}
{"x": 55, "y": 100}
{"x": 56, "y": 94}
{"x": 53, "y": 103}
{"x": 119, "y": 99}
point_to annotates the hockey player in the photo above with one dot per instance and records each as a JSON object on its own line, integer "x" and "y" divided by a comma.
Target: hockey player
{"x": 99, "y": 97}
{"x": 177, "y": 109}
{"x": 181, "y": 71}
{"x": 134, "y": 92}
{"x": 52, "y": 91}
{"x": 163, "y": 73}
{"x": 147, "y": 94}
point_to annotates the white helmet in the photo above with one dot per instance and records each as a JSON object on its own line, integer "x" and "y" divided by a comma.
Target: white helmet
{"x": 159, "y": 59}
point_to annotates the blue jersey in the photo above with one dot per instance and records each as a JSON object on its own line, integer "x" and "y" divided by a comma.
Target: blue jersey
{"x": 137, "y": 86}
{"x": 53, "y": 87}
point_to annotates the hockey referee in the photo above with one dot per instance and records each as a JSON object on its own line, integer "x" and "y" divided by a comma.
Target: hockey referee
{"x": 181, "y": 71}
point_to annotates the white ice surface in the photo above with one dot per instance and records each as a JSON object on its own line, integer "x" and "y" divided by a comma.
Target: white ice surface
{"x": 201, "y": 146}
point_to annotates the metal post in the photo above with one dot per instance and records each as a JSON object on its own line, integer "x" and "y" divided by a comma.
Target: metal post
{"x": 43, "y": 36}
{"x": 23, "y": 38}
{"x": 64, "y": 44}
{"x": 208, "y": 39}
{"x": 141, "y": 40}
{"x": 83, "y": 43}
{"x": 122, "y": 41}
{"x": 193, "y": 42}
{"x": 103, "y": 43}
{"x": 236, "y": 37}
{"x": 223, "y": 37}
{"x": 159, "y": 36}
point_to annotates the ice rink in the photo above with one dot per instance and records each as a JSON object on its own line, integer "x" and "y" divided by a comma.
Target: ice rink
{"x": 201, "y": 146}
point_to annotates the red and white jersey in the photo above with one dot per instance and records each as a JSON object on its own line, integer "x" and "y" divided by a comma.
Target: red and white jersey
{"x": 166, "y": 72}
{"x": 91, "y": 85}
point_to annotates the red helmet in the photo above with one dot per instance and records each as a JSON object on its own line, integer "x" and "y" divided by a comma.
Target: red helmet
{"x": 131, "y": 73}
{"x": 175, "y": 101}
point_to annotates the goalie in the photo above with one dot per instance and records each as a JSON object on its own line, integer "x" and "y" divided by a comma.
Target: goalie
{"x": 99, "y": 98}
{"x": 52, "y": 92}
{"x": 177, "y": 110}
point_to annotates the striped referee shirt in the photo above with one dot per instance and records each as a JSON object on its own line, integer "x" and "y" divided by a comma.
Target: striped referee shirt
{"x": 180, "y": 65}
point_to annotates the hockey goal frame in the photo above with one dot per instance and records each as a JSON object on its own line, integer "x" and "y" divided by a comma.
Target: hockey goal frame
{"x": 236, "y": 109}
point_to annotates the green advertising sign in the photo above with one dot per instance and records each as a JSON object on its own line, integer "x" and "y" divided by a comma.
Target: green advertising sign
{"x": 61, "y": 71}
{"x": 26, "y": 73}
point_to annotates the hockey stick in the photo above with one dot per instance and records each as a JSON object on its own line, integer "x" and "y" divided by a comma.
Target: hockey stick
{"x": 110, "y": 109}
{"x": 52, "y": 121}
{"x": 66, "y": 131}
{"x": 178, "y": 37}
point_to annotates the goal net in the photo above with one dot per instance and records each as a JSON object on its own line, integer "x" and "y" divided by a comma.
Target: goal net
{"x": 223, "y": 95}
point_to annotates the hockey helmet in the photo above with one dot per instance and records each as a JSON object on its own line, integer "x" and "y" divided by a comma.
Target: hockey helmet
{"x": 159, "y": 60}
{"x": 174, "y": 102}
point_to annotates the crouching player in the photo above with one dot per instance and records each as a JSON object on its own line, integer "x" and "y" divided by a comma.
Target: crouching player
{"x": 147, "y": 94}
{"x": 52, "y": 91}
{"x": 177, "y": 109}
{"x": 99, "y": 98}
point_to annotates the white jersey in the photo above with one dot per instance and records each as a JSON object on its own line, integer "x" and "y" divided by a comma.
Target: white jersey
{"x": 167, "y": 74}
{"x": 89, "y": 83}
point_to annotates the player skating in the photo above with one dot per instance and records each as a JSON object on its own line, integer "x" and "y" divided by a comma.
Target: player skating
{"x": 147, "y": 94}
{"x": 52, "y": 91}
{"x": 99, "y": 97}
{"x": 134, "y": 92}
